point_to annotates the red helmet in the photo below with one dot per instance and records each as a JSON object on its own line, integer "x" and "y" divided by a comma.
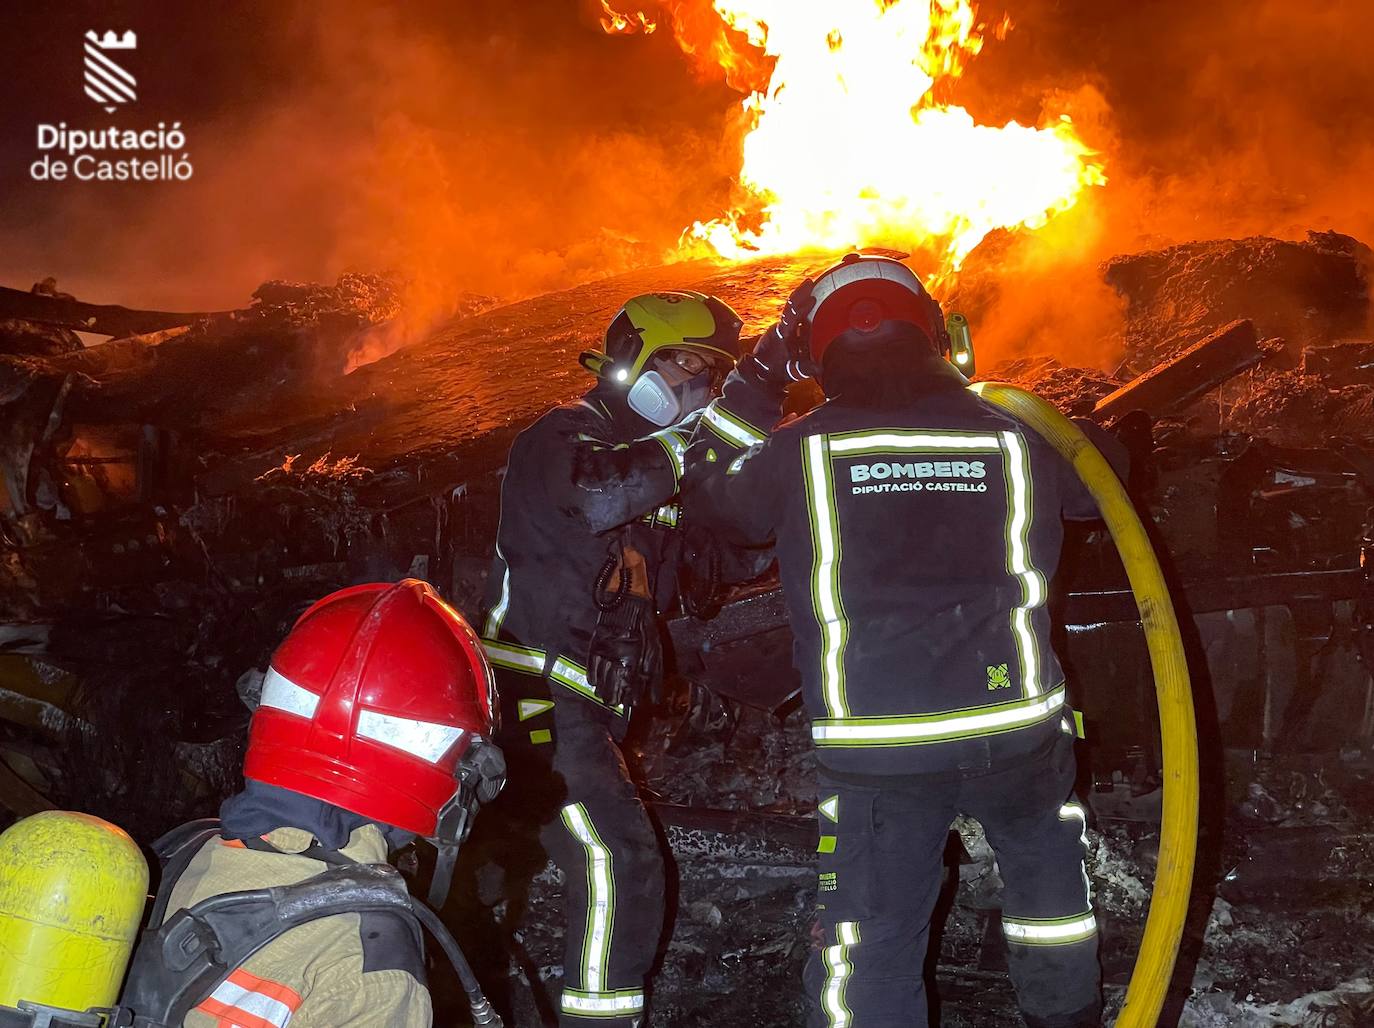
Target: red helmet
{"x": 371, "y": 703}
{"x": 867, "y": 294}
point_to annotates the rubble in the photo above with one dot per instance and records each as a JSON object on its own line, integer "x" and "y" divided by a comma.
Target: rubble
{"x": 1312, "y": 292}
{"x": 1170, "y": 387}
{"x": 1341, "y": 364}
{"x": 1075, "y": 391}
{"x": 29, "y": 339}
{"x": 1289, "y": 407}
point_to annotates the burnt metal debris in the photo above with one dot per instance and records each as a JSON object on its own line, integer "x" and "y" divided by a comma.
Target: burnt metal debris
{"x": 174, "y": 497}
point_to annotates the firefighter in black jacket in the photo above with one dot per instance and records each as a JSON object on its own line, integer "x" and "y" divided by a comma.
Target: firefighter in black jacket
{"x": 585, "y": 560}
{"x": 916, "y": 529}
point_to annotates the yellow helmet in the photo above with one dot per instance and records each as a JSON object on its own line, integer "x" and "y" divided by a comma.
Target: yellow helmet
{"x": 651, "y": 324}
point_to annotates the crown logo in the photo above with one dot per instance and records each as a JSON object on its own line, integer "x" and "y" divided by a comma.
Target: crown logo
{"x": 109, "y": 41}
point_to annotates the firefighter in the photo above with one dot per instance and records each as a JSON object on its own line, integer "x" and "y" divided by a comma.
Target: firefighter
{"x": 584, "y": 563}
{"x": 374, "y": 728}
{"x": 916, "y": 530}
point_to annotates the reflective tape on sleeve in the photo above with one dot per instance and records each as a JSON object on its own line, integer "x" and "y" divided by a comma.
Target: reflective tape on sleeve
{"x": 731, "y": 428}
{"x": 676, "y": 447}
{"x": 513, "y": 657}
{"x": 572, "y": 675}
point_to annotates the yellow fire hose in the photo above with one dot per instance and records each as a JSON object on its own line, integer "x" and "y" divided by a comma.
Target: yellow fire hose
{"x": 1154, "y": 965}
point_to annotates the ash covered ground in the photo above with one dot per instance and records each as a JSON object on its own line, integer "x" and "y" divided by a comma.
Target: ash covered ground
{"x": 175, "y": 497}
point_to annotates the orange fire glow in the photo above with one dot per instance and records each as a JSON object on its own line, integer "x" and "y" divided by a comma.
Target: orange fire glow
{"x": 615, "y": 23}
{"x": 845, "y": 145}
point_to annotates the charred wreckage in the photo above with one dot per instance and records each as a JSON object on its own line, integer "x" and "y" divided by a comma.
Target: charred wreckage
{"x": 174, "y": 497}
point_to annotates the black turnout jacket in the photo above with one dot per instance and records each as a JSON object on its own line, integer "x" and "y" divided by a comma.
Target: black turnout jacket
{"x": 915, "y": 544}
{"x": 574, "y": 475}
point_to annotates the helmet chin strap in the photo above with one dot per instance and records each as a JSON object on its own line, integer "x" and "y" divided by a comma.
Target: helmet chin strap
{"x": 480, "y": 778}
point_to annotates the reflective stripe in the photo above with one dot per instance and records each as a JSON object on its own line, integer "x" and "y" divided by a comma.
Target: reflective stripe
{"x": 1059, "y": 931}
{"x": 565, "y": 672}
{"x": 1033, "y": 591}
{"x": 427, "y": 740}
{"x": 514, "y": 658}
{"x": 830, "y": 808}
{"x": 280, "y": 693}
{"x": 574, "y": 676}
{"x": 825, "y": 574}
{"x": 1073, "y": 811}
{"x": 246, "y": 1001}
{"x": 676, "y": 446}
{"x": 497, "y": 614}
{"x": 666, "y": 515}
{"x": 825, "y": 534}
{"x": 731, "y": 428}
{"x": 854, "y": 442}
{"x": 919, "y": 728}
{"x": 527, "y": 709}
{"x": 602, "y": 1004}
{"x": 596, "y": 946}
{"x": 837, "y": 971}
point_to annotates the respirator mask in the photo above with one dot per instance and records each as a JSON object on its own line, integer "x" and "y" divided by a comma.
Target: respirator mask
{"x": 672, "y": 388}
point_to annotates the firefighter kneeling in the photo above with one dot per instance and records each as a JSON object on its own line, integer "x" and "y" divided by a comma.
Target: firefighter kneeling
{"x": 373, "y": 728}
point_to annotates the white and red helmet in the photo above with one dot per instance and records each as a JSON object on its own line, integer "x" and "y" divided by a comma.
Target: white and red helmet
{"x": 371, "y": 703}
{"x": 867, "y": 296}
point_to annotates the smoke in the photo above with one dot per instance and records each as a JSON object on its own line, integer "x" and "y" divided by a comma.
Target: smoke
{"x": 1219, "y": 120}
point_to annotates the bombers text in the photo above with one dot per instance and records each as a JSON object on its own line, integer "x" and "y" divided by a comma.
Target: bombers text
{"x": 909, "y": 477}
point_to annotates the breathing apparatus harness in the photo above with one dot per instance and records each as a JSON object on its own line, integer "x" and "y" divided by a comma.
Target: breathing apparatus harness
{"x": 181, "y": 961}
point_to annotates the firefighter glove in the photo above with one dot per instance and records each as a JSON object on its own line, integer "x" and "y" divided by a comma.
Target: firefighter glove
{"x": 625, "y": 662}
{"x": 781, "y": 356}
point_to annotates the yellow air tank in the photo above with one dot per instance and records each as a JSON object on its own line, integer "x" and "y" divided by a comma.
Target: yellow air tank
{"x": 72, "y": 891}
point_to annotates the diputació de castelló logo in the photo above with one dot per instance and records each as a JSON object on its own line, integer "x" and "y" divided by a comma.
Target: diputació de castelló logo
{"x": 111, "y": 153}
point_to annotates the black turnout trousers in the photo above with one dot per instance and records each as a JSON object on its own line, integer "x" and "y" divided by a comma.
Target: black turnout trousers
{"x": 882, "y": 841}
{"x": 570, "y": 786}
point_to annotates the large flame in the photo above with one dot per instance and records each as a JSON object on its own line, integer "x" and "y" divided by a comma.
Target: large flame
{"x": 846, "y": 146}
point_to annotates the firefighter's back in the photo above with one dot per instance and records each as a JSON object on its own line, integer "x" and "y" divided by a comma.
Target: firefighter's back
{"x": 922, "y": 537}
{"x": 343, "y": 970}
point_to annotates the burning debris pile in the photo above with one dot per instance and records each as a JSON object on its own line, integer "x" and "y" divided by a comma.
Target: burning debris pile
{"x": 176, "y": 496}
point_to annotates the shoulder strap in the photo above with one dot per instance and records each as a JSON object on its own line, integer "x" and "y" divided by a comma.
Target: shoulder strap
{"x": 314, "y": 851}
{"x": 176, "y": 850}
{"x": 178, "y": 964}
